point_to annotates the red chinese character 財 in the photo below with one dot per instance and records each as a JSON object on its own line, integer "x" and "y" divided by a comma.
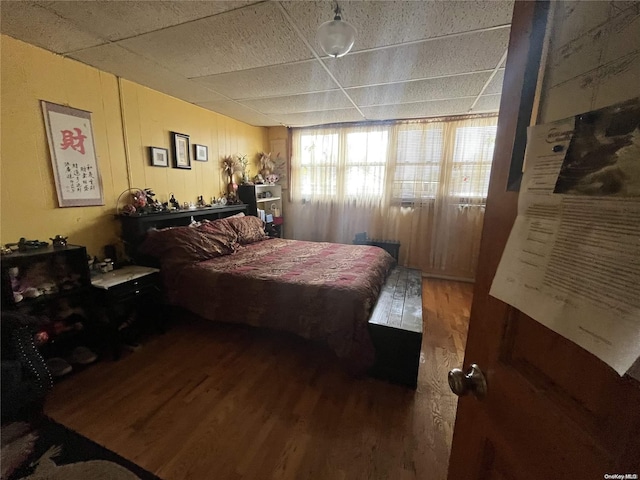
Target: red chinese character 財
{"x": 74, "y": 141}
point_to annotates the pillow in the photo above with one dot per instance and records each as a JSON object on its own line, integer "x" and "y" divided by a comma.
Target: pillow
{"x": 182, "y": 245}
{"x": 249, "y": 229}
{"x": 219, "y": 231}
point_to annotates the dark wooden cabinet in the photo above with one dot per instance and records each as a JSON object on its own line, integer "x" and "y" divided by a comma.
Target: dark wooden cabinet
{"x": 34, "y": 278}
{"x": 131, "y": 298}
{"x": 52, "y": 287}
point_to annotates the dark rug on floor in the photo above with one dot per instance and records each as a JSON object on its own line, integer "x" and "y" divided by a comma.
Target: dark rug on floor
{"x": 47, "y": 450}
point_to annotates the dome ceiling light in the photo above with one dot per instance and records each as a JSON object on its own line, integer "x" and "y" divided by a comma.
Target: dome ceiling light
{"x": 337, "y": 36}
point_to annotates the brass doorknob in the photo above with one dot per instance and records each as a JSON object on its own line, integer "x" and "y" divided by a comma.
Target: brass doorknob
{"x": 471, "y": 382}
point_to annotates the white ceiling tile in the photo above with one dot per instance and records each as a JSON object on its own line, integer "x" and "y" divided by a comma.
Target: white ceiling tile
{"x": 115, "y": 59}
{"x": 495, "y": 86}
{"x": 250, "y": 37}
{"x": 418, "y": 110}
{"x": 487, "y": 103}
{"x": 419, "y": 90}
{"x": 116, "y": 20}
{"x": 240, "y": 112}
{"x": 302, "y": 77}
{"x": 382, "y": 23}
{"x": 33, "y": 24}
{"x": 450, "y": 56}
{"x": 206, "y": 52}
{"x": 320, "y": 118}
{"x": 332, "y": 100}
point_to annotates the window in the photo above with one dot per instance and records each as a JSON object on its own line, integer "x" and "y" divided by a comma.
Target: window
{"x": 418, "y": 160}
{"x": 353, "y": 162}
{"x": 318, "y": 162}
{"x": 366, "y": 163}
{"x": 407, "y": 163}
{"x": 472, "y": 156}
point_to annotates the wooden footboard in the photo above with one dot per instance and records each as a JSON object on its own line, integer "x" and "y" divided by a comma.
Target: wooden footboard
{"x": 396, "y": 327}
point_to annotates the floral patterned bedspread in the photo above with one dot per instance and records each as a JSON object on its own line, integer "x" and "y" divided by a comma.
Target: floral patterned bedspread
{"x": 320, "y": 291}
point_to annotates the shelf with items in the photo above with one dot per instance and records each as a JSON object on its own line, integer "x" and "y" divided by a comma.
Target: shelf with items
{"x": 259, "y": 200}
{"x": 135, "y": 227}
{"x": 51, "y": 286}
{"x": 264, "y": 201}
{"x": 36, "y": 276}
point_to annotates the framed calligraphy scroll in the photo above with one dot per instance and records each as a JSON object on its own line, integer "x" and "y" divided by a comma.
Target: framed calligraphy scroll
{"x": 73, "y": 155}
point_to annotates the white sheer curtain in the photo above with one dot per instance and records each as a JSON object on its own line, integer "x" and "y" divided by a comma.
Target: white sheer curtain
{"x": 421, "y": 183}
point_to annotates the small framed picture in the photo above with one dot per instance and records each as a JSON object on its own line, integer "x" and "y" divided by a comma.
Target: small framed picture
{"x": 200, "y": 153}
{"x": 181, "y": 150}
{"x": 159, "y": 156}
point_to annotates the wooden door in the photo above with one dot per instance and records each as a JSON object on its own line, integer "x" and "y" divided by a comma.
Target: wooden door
{"x": 552, "y": 410}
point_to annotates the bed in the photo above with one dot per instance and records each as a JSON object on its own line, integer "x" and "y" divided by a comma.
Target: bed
{"x": 228, "y": 270}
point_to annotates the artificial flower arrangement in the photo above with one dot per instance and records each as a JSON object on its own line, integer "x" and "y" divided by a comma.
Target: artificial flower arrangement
{"x": 230, "y": 165}
{"x": 244, "y": 162}
{"x": 266, "y": 164}
{"x": 141, "y": 201}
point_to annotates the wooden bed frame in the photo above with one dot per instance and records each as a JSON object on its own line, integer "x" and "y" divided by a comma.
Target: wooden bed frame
{"x": 136, "y": 226}
{"x": 395, "y": 324}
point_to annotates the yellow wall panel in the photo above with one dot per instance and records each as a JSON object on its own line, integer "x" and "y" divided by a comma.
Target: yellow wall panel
{"x": 29, "y": 202}
{"x": 150, "y": 117}
{"x": 29, "y": 206}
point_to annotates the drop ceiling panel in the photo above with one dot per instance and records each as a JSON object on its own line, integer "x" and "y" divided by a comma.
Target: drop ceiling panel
{"x": 213, "y": 52}
{"x": 239, "y": 112}
{"x": 276, "y": 80}
{"x": 419, "y": 110}
{"x": 115, "y": 59}
{"x": 33, "y": 24}
{"x": 467, "y": 53}
{"x": 254, "y": 36}
{"x": 487, "y": 103}
{"x": 382, "y": 23}
{"x": 495, "y": 86}
{"x": 319, "y": 118}
{"x": 301, "y": 103}
{"x": 420, "y": 90}
{"x": 117, "y": 20}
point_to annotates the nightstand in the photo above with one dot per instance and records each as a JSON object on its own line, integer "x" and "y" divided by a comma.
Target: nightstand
{"x": 128, "y": 295}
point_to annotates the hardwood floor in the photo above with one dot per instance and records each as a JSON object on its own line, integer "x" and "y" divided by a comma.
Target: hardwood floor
{"x": 220, "y": 401}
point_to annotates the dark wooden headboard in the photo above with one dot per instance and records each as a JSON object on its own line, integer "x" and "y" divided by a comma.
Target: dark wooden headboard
{"x": 135, "y": 227}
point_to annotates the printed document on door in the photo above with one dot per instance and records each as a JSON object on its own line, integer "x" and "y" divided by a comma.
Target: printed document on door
{"x": 572, "y": 261}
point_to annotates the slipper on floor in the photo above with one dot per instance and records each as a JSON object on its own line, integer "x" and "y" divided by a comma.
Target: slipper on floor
{"x": 58, "y": 366}
{"x": 82, "y": 356}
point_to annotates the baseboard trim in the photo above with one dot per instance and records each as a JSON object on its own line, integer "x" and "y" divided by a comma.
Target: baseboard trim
{"x": 448, "y": 277}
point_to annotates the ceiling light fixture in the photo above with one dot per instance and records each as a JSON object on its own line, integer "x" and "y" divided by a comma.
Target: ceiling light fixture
{"x": 337, "y": 36}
